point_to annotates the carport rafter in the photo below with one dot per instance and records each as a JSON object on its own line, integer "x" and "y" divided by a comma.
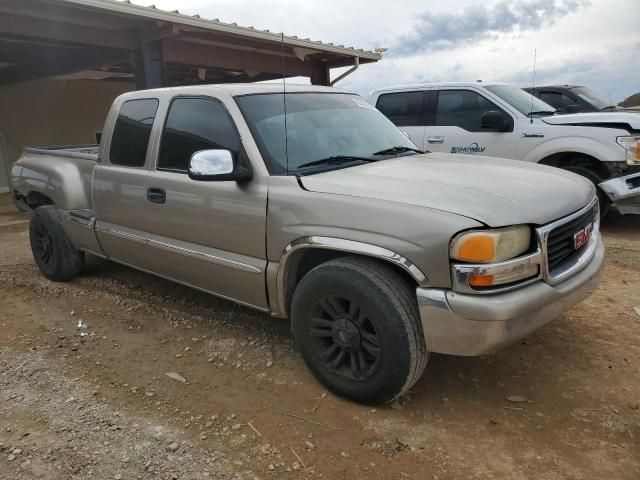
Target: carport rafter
{"x": 188, "y": 53}
{"x": 65, "y": 32}
{"x": 61, "y": 63}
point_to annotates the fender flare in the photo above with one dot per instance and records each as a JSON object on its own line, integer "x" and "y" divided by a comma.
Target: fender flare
{"x": 340, "y": 245}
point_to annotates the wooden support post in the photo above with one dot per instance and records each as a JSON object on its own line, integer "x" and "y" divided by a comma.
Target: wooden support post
{"x": 320, "y": 73}
{"x": 149, "y": 66}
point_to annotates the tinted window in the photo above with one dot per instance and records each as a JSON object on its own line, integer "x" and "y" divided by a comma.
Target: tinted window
{"x": 131, "y": 134}
{"x": 592, "y": 98}
{"x": 556, "y": 99}
{"x": 195, "y": 124}
{"x": 462, "y": 108}
{"x": 404, "y": 109}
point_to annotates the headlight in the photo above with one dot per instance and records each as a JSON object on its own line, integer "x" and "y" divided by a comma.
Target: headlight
{"x": 495, "y": 245}
{"x": 493, "y": 258}
{"x": 631, "y": 145}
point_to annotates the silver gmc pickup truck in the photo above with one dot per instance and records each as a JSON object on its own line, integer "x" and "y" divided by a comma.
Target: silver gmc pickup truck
{"x": 313, "y": 206}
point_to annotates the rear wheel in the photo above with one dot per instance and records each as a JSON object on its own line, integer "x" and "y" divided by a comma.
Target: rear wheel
{"x": 357, "y": 326}
{"x": 52, "y": 250}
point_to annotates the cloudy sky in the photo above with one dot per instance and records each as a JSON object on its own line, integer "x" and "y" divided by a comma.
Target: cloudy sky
{"x": 588, "y": 42}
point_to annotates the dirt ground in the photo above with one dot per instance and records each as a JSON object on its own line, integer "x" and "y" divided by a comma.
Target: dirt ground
{"x": 84, "y": 391}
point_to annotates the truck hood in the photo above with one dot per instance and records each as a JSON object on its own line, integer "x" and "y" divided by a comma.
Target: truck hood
{"x": 626, "y": 120}
{"x": 494, "y": 191}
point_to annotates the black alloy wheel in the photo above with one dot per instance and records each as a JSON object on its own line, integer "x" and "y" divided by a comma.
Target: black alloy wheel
{"x": 345, "y": 338}
{"x": 43, "y": 245}
{"x": 357, "y": 326}
{"x": 57, "y": 258}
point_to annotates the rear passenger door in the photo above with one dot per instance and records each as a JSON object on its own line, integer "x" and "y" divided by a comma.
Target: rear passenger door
{"x": 206, "y": 234}
{"x": 407, "y": 110}
{"x": 455, "y": 125}
{"x": 119, "y": 183}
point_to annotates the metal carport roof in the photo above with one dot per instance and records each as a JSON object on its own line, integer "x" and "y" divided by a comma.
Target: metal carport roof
{"x": 117, "y": 39}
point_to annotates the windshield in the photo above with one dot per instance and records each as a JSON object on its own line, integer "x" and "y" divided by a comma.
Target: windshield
{"x": 319, "y": 126}
{"x": 522, "y": 101}
{"x": 591, "y": 97}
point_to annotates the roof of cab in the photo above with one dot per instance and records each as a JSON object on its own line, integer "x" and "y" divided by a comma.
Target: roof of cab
{"x": 234, "y": 89}
{"x": 416, "y": 86}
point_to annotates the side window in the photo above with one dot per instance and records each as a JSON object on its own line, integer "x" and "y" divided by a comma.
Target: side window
{"x": 404, "y": 109}
{"x": 195, "y": 124}
{"x": 555, "y": 99}
{"x": 462, "y": 108}
{"x": 580, "y": 102}
{"x": 131, "y": 133}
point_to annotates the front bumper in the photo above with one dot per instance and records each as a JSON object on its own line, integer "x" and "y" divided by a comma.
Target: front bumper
{"x": 470, "y": 325}
{"x": 624, "y": 193}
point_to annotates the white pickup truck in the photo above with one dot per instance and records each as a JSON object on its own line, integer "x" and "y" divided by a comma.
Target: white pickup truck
{"x": 500, "y": 120}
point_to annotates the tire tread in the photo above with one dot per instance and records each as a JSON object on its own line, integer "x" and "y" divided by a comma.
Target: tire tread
{"x": 71, "y": 260}
{"x": 403, "y": 300}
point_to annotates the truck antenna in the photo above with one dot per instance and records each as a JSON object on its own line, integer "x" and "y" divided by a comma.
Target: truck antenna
{"x": 533, "y": 83}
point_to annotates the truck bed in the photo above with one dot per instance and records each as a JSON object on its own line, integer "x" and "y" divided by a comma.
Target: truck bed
{"x": 40, "y": 172}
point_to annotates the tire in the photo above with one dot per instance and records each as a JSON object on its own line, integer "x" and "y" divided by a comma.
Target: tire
{"x": 55, "y": 255}
{"x": 357, "y": 326}
{"x": 596, "y": 179}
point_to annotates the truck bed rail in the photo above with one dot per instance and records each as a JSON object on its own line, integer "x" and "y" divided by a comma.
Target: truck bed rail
{"x": 82, "y": 152}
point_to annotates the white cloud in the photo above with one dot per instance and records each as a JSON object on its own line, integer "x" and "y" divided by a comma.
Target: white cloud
{"x": 594, "y": 43}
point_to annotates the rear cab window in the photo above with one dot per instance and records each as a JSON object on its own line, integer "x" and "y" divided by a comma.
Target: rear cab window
{"x": 404, "y": 109}
{"x": 131, "y": 133}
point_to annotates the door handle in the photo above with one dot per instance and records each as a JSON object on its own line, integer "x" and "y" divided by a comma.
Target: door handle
{"x": 435, "y": 139}
{"x": 156, "y": 195}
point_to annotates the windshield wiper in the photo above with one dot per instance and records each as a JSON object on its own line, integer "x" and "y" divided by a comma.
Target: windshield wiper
{"x": 394, "y": 150}
{"x": 612, "y": 107}
{"x": 542, "y": 112}
{"x": 336, "y": 160}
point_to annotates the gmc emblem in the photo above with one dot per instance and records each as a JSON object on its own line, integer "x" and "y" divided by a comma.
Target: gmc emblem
{"x": 582, "y": 237}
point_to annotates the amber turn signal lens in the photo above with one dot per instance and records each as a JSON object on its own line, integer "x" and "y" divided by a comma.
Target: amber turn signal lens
{"x": 490, "y": 245}
{"x": 477, "y": 248}
{"x": 481, "y": 280}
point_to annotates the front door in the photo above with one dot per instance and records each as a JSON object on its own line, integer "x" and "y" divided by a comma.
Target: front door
{"x": 455, "y": 125}
{"x": 207, "y": 234}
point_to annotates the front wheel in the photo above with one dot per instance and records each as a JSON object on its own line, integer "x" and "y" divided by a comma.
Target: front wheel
{"x": 52, "y": 250}
{"x": 357, "y": 326}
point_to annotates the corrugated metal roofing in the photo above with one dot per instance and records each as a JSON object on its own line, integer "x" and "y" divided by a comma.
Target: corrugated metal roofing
{"x": 127, "y": 8}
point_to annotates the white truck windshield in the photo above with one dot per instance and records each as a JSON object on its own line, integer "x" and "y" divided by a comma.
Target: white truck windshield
{"x": 592, "y": 97}
{"x": 522, "y": 101}
{"x": 319, "y": 126}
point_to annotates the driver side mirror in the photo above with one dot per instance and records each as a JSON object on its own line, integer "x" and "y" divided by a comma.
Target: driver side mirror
{"x": 217, "y": 166}
{"x": 495, "y": 121}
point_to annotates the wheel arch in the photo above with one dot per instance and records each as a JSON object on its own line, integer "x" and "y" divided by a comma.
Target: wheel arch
{"x": 306, "y": 253}
{"x": 566, "y": 159}
{"x": 37, "y": 199}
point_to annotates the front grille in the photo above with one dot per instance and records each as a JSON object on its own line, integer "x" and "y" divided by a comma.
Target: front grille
{"x": 560, "y": 243}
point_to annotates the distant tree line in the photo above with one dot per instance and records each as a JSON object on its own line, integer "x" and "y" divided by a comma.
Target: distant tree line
{"x": 631, "y": 101}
